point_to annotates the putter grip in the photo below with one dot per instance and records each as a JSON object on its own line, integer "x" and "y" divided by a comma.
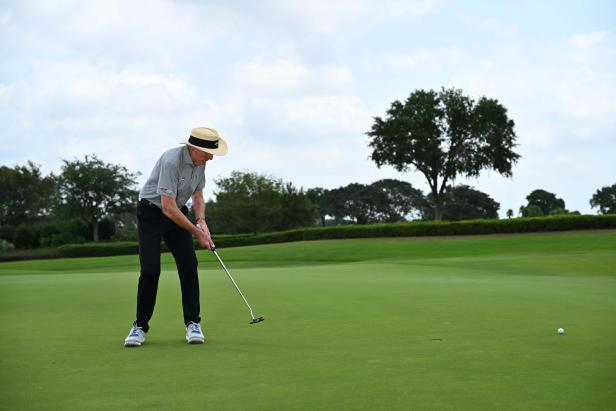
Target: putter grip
{"x": 213, "y": 248}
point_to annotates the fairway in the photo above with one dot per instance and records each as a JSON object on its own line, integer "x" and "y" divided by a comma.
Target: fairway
{"x": 369, "y": 324}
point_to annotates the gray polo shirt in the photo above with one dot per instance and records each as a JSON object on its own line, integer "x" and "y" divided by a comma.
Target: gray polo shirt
{"x": 175, "y": 176}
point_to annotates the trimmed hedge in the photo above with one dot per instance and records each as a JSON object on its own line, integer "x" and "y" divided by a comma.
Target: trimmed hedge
{"x": 429, "y": 228}
{"x": 34, "y": 254}
{"x": 408, "y": 229}
{"x": 102, "y": 249}
{"x": 99, "y": 249}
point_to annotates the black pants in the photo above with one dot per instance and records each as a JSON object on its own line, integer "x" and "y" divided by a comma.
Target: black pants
{"x": 153, "y": 226}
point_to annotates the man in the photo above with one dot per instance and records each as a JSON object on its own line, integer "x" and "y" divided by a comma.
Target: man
{"x": 161, "y": 214}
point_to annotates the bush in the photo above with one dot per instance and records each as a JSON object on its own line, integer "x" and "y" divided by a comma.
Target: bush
{"x": 102, "y": 249}
{"x": 558, "y": 211}
{"x": 6, "y": 245}
{"x": 425, "y": 228}
{"x": 125, "y": 234}
{"x": 56, "y": 233}
{"x": 106, "y": 229}
{"x": 26, "y": 237}
{"x": 35, "y": 254}
{"x": 7, "y": 232}
{"x": 99, "y": 249}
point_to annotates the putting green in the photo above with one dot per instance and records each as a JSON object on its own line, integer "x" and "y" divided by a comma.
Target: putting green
{"x": 370, "y": 324}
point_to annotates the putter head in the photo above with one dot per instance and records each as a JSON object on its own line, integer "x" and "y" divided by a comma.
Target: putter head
{"x": 257, "y": 320}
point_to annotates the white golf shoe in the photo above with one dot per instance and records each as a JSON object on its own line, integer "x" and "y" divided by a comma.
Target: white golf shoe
{"x": 194, "y": 334}
{"x": 135, "y": 338}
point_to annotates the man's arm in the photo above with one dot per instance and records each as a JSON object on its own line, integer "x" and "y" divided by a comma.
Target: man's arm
{"x": 198, "y": 205}
{"x": 199, "y": 210}
{"x": 171, "y": 210}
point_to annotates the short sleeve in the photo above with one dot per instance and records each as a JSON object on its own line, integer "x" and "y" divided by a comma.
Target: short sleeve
{"x": 168, "y": 180}
{"x": 201, "y": 183}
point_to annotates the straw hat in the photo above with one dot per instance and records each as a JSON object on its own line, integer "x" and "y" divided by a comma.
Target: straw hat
{"x": 207, "y": 139}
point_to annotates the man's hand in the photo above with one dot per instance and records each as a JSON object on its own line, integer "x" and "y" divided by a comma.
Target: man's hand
{"x": 201, "y": 225}
{"x": 203, "y": 235}
{"x": 171, "y": 210}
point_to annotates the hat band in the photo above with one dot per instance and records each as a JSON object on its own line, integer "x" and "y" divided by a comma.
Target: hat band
{"x": 203, "y": 143}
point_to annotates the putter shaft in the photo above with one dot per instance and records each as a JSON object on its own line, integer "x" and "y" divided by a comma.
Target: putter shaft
{"x": 233, "y": 281}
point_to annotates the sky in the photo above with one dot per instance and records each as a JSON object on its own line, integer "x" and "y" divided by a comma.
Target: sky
{"x": 293, "y": 86}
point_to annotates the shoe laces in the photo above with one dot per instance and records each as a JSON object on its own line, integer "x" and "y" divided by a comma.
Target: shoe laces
{"x": 134, "y": 332}
{"x": 194, "y": 327}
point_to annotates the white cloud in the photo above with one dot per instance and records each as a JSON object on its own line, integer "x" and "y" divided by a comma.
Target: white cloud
{"x": 326, "y": 17}
{"x": 497, "y": 27}
{"x": 287, "y": 76}
{"x": 276, "y": 76}
{"x": 424, "y": 59}
{"x": 126, "y": 115}
{"x": 533, "y": 137}
{"x": 226, "y": 113}
{"x": 164, "y": 31}
{"x": 586, "y": 40}
{"x": 335, "y": 75}
{"x": 90, "y": 87}
{"x": 589, "y": 105}
{"x": 7, "y": 91}
{"x": 6, "y": 16}
{"x": 318, "y": 115}
{"x": 427, "y": 60}
{"x": 486, "y": 65}
{"x": 579, "y": 93}
{"x": 587, "y": 93}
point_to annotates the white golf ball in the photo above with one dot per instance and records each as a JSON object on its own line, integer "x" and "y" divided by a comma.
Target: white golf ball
{"x": 561, "y": 331}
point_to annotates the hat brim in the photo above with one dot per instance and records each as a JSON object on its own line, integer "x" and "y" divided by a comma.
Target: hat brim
{"x": 220, "y": 151}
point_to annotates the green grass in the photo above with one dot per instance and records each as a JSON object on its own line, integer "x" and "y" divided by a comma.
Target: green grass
{"x": 368, "y": 324}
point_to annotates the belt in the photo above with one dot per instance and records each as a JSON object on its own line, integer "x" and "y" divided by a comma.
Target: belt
{"x": 148, "y": 203}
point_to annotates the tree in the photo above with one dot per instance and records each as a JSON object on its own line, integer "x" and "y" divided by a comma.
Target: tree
{"x": 92, "y": 190}
{"x": 347, "y": 202}
{"x": 317, "y": 196}
{"x": 393, "y": 200}
{"x": 331, "y": 203}
{"x": 247, "y": 202}
{"x": 509, "y": 213}
{"x": 465, "y": 203}
{"x": 386, "y": 200}
{"x": 24, "y": 194}
{"x": 605, "y": 200}
{"x": 545, "y": 200}
{"x": 297, "y": 209}
{"x": 444, "y": 134}
{"x": 351, "y": 202}
{"x": 335, "y": 204}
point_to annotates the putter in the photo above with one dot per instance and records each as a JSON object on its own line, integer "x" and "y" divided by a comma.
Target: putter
{"x": 254, "y": 320}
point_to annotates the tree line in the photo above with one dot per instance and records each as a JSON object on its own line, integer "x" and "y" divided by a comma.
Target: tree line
{"x": 90, "y": 200}
{"x": 247, "y": 202}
